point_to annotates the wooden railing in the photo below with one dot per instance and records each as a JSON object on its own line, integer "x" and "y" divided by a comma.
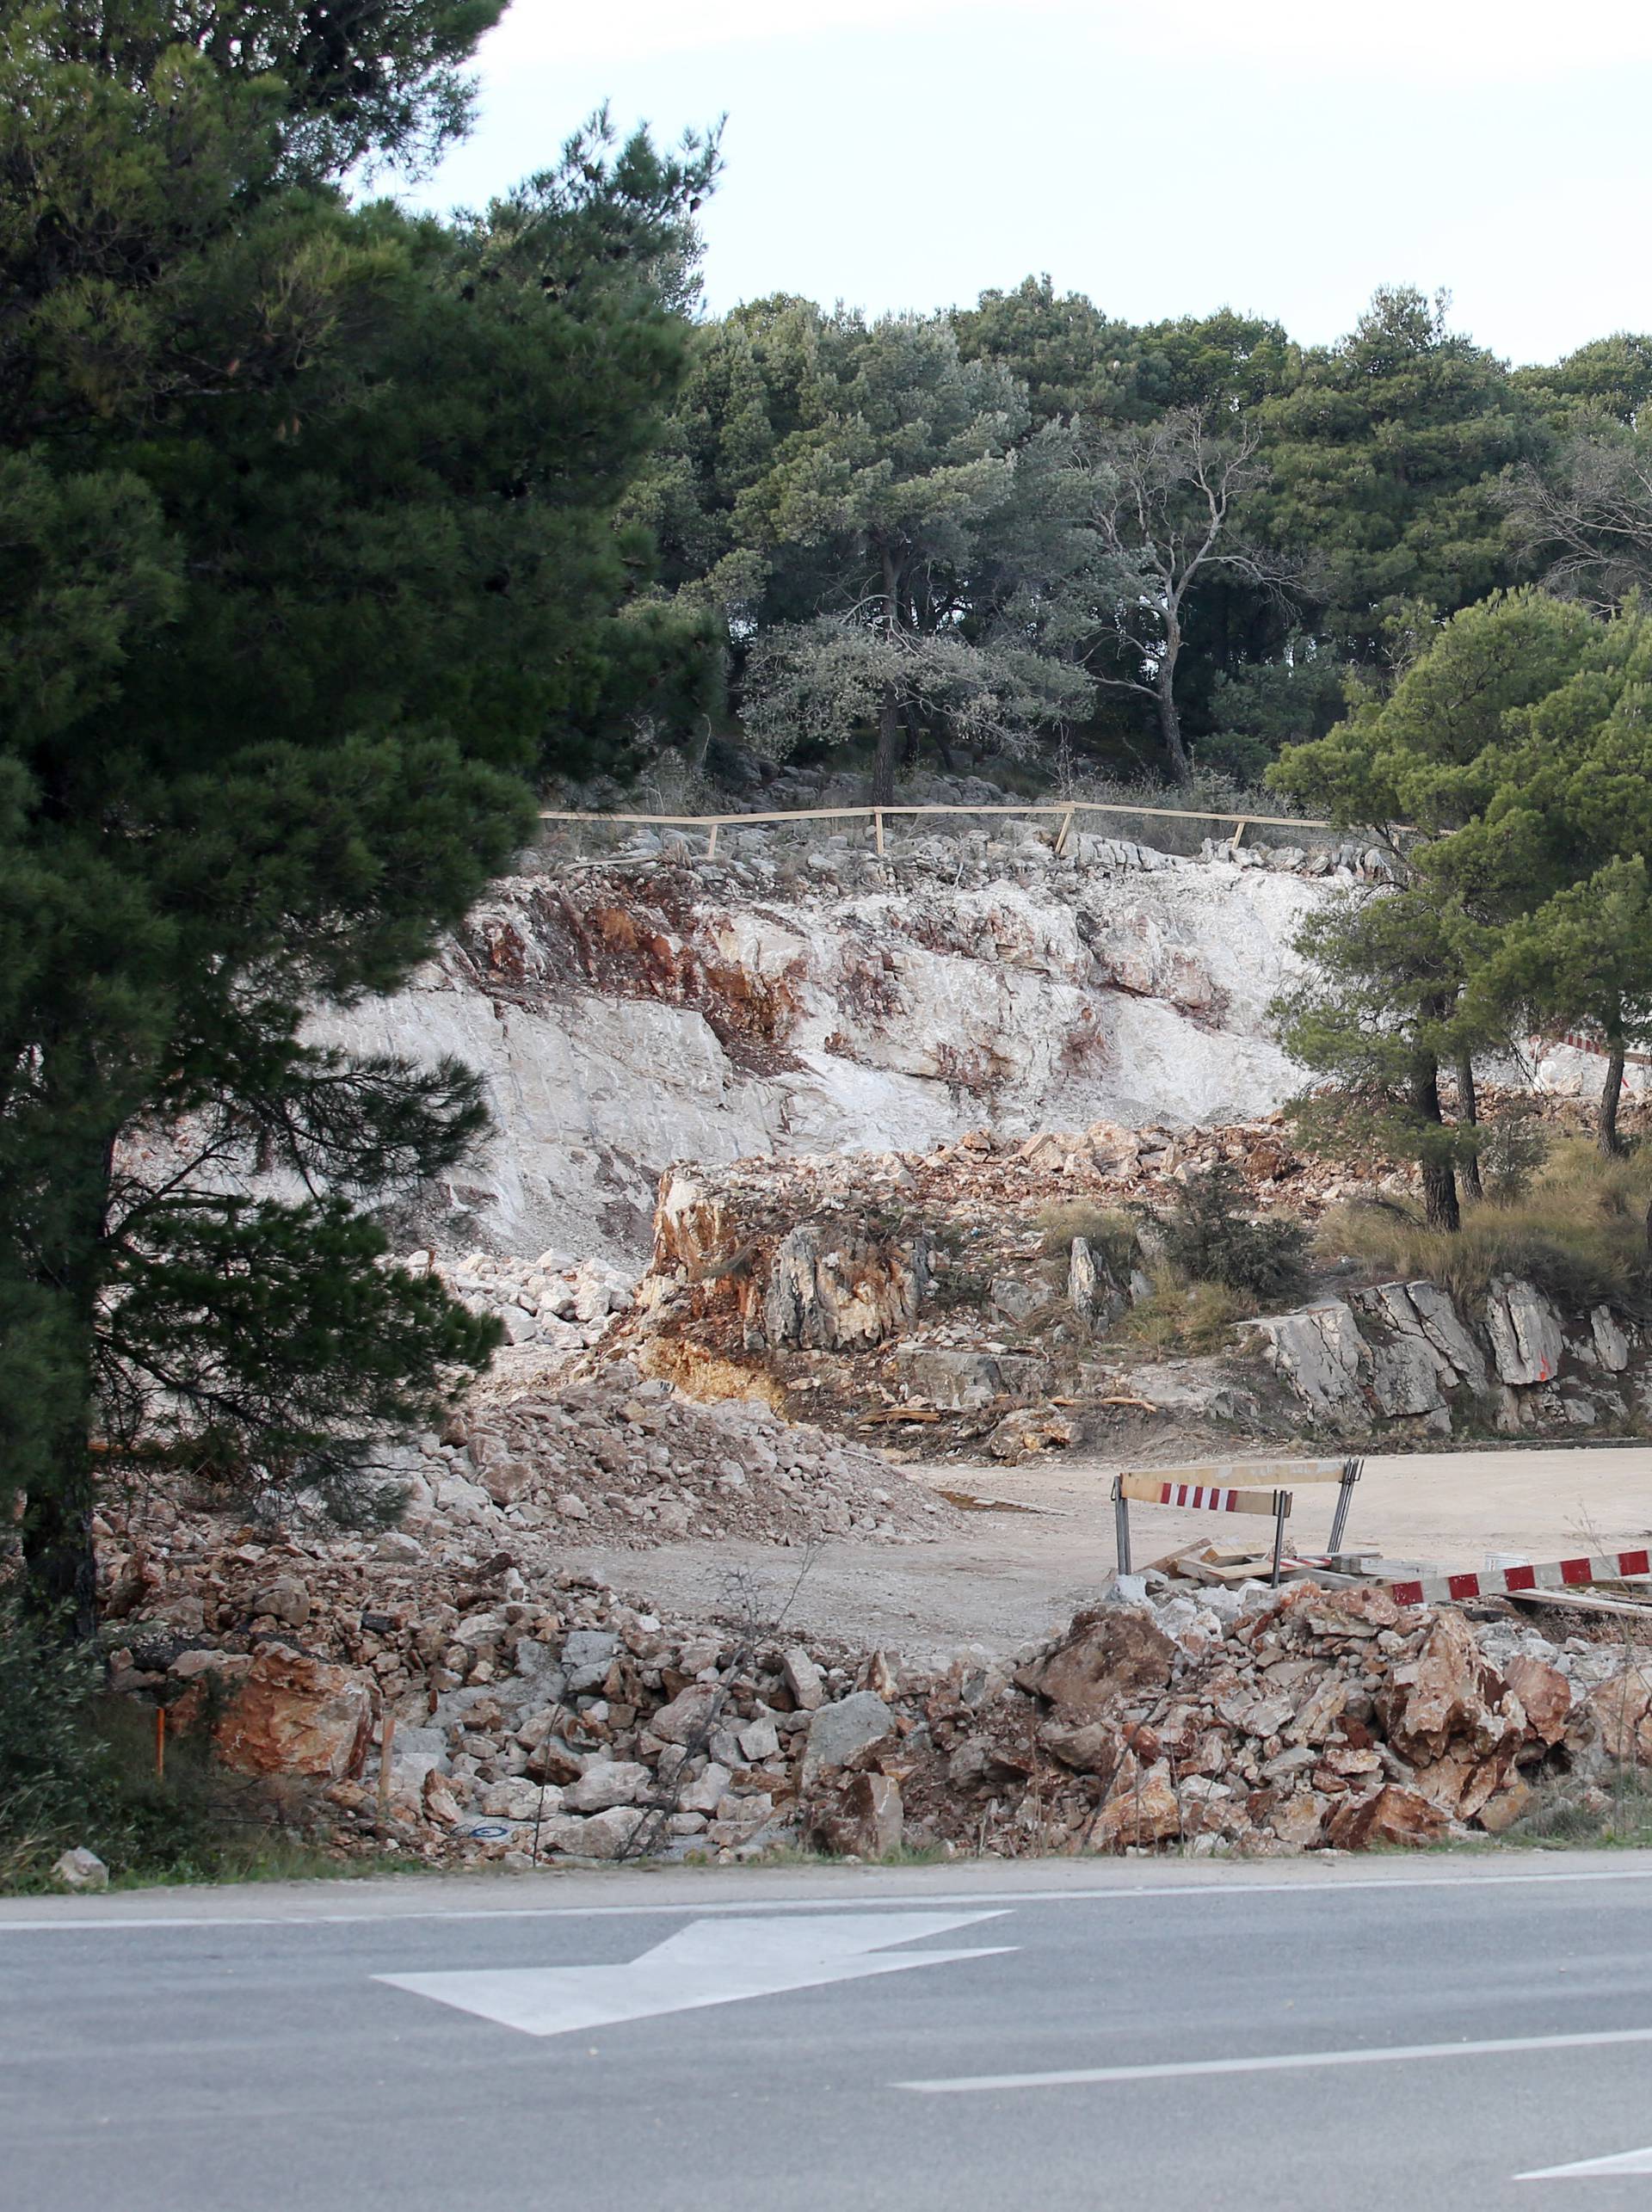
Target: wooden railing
{"x": 876, "y": 816}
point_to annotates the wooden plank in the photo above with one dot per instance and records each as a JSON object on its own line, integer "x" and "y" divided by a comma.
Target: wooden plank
{"x": 1248, "y": 1473}
{"x": 862, "y": 813}
{"x": 1577, "y": 1601}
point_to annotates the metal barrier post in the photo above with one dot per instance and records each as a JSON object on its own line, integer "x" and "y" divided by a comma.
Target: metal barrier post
{"x": 1281, "y": 1508}
{"x": 1121, "y": 1523}
{"x": 1351, "y": 1473}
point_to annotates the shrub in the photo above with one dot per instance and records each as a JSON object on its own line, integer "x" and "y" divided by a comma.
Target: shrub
{"x": 1207, "y": 1236}
{"x": 52, "y": 1764}
{"x": 1513, "y": 1146}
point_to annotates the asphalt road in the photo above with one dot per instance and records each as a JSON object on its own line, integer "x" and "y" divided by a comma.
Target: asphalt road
{"x": 1384, "y": 2033}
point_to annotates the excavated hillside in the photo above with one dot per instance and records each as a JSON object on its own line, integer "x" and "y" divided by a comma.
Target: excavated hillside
{"x": 645, "y": 1011}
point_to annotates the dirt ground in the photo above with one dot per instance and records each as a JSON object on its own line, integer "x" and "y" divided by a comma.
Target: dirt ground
{"x": 1009, "y": 1578}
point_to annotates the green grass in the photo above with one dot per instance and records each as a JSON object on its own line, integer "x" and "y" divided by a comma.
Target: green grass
{"x": 1579, "y": 1232}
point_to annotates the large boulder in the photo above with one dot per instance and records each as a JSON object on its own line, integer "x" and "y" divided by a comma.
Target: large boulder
{"x": 836, "y": 1732}
{"x": 864, "y": 1819}
{"x": 1623, "y": 1708}
{"x": 1107, "y": 1656}
{"x": 1392, "y": 1815}
{"x": 965, "y": 1381}
{"x": 1545, "y": 1697}
{"x": 1140, "y": 1808}
{"x": 294, "y": 1714}
{"x": 1447, "y": 1696}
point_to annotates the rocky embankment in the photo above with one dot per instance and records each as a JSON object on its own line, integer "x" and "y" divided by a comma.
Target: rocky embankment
{"x": 958, "y": 1292}
{"x": 431, "y": 1699}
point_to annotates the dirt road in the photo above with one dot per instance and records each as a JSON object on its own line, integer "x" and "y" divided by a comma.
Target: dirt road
{"x": 1010, "y": 1578}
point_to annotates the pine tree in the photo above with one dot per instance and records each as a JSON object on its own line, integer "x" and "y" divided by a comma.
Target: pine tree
{"x": 308, "y": 570}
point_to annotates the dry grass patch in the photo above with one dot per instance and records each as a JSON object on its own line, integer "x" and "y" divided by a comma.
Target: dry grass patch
{"x": 1578, "y": 1232}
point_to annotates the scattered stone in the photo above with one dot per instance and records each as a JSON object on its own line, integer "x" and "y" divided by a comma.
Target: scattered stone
{"x": 80, "y": 1869}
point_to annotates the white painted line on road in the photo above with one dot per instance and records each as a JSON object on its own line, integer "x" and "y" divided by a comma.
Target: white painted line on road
{"x": 1625, "y": 2162}
{"x": 392, "y": 1917}
{"x": 1283, "y": 2063}
{"x": 857, "y": 1903}
{"x": 709, "y": 1963}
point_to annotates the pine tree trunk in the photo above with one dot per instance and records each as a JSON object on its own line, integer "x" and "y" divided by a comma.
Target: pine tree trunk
{"x": 1439, "y": 1176}
{"x": 1468, "y": 1111}
{"x": 1607, "y": 1137}
{"x": 888, "y": 747}
{"x": 1182, "y": 768}
{"x": 56, "y": 1533}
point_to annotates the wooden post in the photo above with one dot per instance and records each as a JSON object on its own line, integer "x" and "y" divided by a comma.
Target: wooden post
{"x": 386, "y": 1738}
{"x": 1064, "y": 833}
{"x": 877, "y": 829}
{"x": 1239, "y": 832}
{"x": 710, "y": 849}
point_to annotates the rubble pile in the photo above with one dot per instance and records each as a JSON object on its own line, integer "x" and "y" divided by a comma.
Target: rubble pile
{"x": 623, "y": 1459}
{"x": 534, "y": 1717}
{"x": 555, "y": 1302}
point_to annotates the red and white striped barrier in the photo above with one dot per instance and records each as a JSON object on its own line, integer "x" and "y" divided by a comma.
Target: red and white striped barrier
{"x": 1207, "y": 1497}
{"x": 1507, "y": 1581}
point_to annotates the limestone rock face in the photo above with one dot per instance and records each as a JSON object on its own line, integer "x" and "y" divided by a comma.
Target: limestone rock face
{"x": 1525, "y": 1330}
{"x": 964, "y": 1381}
{"x": 1320, "y": 1354}
{"x": 856, "y": 1293}
{"x": 624, "y": 1019}
{"x": 296, "y": 1714}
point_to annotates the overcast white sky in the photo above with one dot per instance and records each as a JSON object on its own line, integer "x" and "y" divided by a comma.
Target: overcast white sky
{"x": 1283, "y": 157}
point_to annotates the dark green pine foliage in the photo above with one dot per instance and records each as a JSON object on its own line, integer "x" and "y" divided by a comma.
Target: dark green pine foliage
{"x": 308, "y": 570}
{"x": 1384, "y": 456}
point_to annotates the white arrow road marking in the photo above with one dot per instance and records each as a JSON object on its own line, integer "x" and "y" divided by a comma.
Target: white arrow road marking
{"x": 1279, "y": 2062}
{"x": 708, "y": 1963}
{"x": 1625, "y": 2162}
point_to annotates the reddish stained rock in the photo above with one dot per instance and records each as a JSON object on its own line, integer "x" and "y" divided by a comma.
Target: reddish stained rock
{"x": 1140, "y": 1808}
{"x": 1500, "y": 1812}
{"x": 864, "y": 1819}
{"x": 1393, "y": 1815}
{"x": 1448, "y": 1691}
{"x": 1107, "y": 1655}
{"x": 1545, "y": 1697}
{"x": 1463, "y": 1781}
{"x": 1623, "y": 1708}
{"x": 296, "y": 1714}
{"x": 1362, "y": 1608}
